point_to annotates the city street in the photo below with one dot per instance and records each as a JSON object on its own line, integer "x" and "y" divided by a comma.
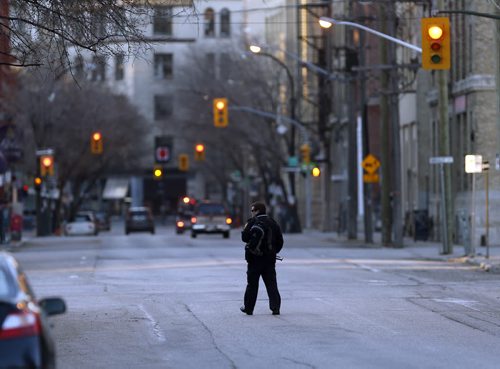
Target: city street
{"x": 170, "y": 301}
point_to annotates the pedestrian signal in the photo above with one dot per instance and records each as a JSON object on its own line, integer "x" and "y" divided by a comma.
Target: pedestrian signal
{"x": 221, "y": 118}
{"x": 96, "y": 145}
{"x": 157, "y": 172}
{"x": 37, "y": 182}
{"x": 436, "y": 43}
{"x": 316, "y": 172}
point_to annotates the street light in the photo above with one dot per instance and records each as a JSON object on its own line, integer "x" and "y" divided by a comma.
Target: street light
{"x": 257, "y": 50}
{"x": 326, "y": 22}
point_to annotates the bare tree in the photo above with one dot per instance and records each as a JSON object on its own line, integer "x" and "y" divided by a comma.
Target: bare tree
{"x": 37, "y": 28}
{"x": 61, "y": 115}
{"x": 250, "y": 143}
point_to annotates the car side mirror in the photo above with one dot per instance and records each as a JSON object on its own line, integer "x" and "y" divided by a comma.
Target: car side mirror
{"x": 53, "y": 305}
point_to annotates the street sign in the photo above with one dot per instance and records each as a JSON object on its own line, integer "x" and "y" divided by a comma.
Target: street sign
{"x": 441, "y": 160}
{"x": 163, "y": 149}
{"x": 291, "y": 169}
{"x": 371, "y": 178}
{"x": 473, "y": 163}
{"x": 293, "y": 161}
{"x": 44, "y": 152}
{"x": 162, "y": 154}
{"x": 370, "y": 163}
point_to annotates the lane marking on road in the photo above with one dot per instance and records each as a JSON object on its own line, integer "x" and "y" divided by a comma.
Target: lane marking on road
{"x": 467, "y": 303}
{"x": 154, "y": 324}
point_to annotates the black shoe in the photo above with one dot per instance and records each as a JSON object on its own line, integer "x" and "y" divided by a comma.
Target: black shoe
{"x": 276, "y": 312}
{"x": 243, "y": 310}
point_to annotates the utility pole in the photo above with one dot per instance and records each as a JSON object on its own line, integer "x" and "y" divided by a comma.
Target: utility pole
{"x": 444, "y": 150}
{"x": 497, "y": 59}
{"x": 397, "y": 216}
{"x": 367, "y": 188}
{"x": 385, "y": 202}
{"x": 352, "y": 156}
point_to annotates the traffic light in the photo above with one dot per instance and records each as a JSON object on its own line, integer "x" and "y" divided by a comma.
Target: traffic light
{"x": 46, "y": 165}
{"x": 183, "y": 162}
{"x": 305, "y": 153}
{"x": 199, "y": 152}
{"x": 157, "y": 172}
{"x": 316, "y": 172}
{"x": 436, "y": 43}
{"x": 221, "y": 117}
{"x": 37, "y": 183}
{"x": 96, "y": 145}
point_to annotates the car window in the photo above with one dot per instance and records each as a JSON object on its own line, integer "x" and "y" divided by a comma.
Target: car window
{"x": 82, "y": 218}
{"x": 139, "y": 214}
{"x": 211, "y": 209}
{"x": 6, "y": 285}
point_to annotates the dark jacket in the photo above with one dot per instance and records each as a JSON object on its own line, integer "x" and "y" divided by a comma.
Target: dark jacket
{"x": 252, "y": 233}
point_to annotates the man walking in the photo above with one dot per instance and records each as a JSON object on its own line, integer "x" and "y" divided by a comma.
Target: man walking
{"x": 264, "y": 240}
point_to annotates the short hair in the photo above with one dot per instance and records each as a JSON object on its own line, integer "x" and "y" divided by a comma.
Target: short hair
{"x": 259, "y": 206}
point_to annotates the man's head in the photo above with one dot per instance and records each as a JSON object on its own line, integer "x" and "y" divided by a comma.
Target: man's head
{"x": 258, "y": 208}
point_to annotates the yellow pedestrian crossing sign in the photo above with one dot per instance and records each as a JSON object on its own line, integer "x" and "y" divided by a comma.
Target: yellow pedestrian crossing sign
{"x": 370, "y": 163}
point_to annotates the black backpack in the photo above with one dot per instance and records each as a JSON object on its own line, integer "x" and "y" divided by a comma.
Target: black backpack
{"x": 265, "y": 243}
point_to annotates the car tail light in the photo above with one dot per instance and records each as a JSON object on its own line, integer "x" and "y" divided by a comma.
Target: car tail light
{"x": 228, "y": 220}
{"x": 193, "y": 220}
{"x": 180, "y": 224}
{"x": 20, "y": 324}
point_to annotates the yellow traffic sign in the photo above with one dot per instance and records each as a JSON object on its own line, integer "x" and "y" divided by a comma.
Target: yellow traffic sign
{"x": 370, "y": 178}
{"x": 370, "y": 163}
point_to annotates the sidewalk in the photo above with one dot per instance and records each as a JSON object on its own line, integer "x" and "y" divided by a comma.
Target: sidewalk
{"x": 430, "y": 250}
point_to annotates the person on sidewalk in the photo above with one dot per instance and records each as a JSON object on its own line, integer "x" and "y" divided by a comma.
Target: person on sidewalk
{"x": 263, "y": 240}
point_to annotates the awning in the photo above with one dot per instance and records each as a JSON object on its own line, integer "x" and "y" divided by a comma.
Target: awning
{"x": 115, "y": 189}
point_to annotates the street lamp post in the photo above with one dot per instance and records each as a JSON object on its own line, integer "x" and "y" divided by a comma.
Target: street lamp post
{"x": 291, "y": 146}
{"x": 327, "y": 22}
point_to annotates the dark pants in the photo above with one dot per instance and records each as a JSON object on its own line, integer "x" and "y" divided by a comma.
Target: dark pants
{"x": 268, "y": 272}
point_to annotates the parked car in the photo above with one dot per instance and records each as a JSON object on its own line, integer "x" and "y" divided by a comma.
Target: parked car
{"x": 103, "y": 221}
{"x": 210, "y": 217}
{"x": 25, "y": 337}
{"x": 139, "y": 219}
{"x": 83, "y": 224}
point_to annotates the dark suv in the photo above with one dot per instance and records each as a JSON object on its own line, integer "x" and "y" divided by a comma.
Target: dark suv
{"x": 210, "y": 217}
{"x": 139, "y": 219}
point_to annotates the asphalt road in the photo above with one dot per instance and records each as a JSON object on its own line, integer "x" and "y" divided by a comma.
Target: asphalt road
{"x": 169, "y": 301}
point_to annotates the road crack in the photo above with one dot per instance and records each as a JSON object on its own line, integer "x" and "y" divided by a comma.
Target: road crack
{"x": 214, "y": 342}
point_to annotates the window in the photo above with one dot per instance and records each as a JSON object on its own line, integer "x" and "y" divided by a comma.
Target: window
{"x": 162, "y": 21}
{"x": 163, "y": 66}
{"x": 119, "y": 67}
{"x": 210, "y": 64}
{"x": 163, "y": 106}
{"x": 225, "y": 23}
{"x": 209, "y": 22}
{"x": 225, "y": 66}
{"x": 98, "y": 68}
